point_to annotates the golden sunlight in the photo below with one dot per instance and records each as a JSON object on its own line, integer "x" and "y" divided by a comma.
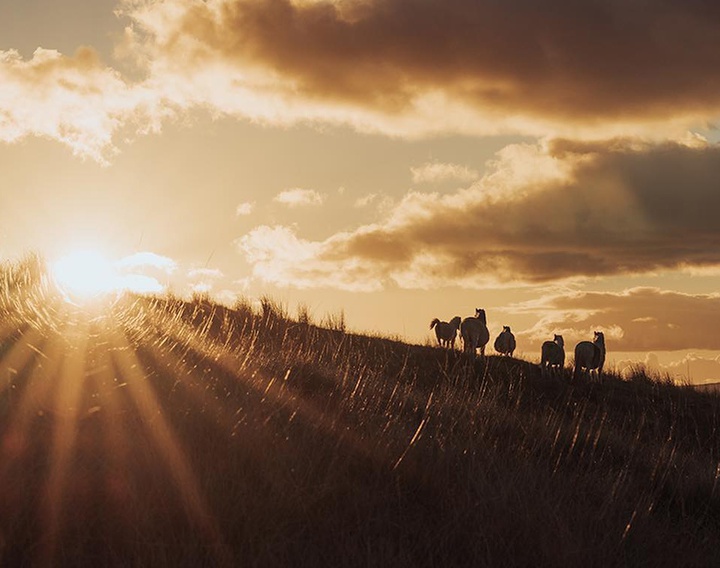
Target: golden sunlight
{"x": 85, "y": 274}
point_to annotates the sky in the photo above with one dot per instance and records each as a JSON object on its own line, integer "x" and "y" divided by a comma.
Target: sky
{"x": 554, "y": 163}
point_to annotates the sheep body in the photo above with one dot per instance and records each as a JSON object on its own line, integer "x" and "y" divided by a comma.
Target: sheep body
{"x": 475, "y": 333}
{"x": 552, "y": 354}
{"x": 446, "y": 332}
{"x": 590, "y": 356}
{"x": 505, "y": 342}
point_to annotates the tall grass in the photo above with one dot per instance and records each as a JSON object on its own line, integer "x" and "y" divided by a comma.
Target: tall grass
{"x": 164, "y": 432}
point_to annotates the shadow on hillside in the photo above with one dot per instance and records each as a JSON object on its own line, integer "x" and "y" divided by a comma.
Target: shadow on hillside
{"x": 182, "y": 433}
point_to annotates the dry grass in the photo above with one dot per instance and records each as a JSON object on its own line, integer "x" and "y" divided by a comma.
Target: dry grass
{"x": 163, "y": 432}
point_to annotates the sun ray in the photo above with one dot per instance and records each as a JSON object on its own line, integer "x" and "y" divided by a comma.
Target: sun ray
{"x": 115, "y": 433}
{"x": 36, "y": 356}
{"x": 141, "y": 346}
{"x": 22, "y": 406}
{"x": 65, "y": 409}
{"x": 234, "y": 363}
{"x": 166, "y": 442}
{"x": 21, "y": 354}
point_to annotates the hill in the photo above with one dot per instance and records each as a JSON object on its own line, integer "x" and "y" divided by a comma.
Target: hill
{"x": 163, "y": 432}
{"x": 708, "y": 387}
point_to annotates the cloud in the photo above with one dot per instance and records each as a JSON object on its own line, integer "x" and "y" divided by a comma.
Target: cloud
{"x": 639, "y": 319}
{"x": 75, "y": 100}
{"x": 692, "y": 368}
{"x": 205, "y": 273}
{"x": 227, "y": 297}
{"x": 203, "y": 280}
{"x": 695, "y": 369}
{"x": 298, "y": 197}
{"x": 543, "y": 213}
{"x": 245, "y": 208}
{"x": 141, "y": 283}
{"x": 279, "y": 256}
{"x": 147, "y": 260}
{"x": 594, "y": 69}
{"x": 365, "y": 200}
{"x": 434, "y": 172}
{"x": 135, "y": 271}
{"x": 400, "y": 66}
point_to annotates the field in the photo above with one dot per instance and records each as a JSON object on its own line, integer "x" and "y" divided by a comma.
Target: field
{"x": 164, "y": 432}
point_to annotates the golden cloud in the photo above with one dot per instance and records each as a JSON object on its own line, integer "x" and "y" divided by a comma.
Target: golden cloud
{"x": 75, "y": 100}
{"x": 594, "y": 69}
{"x": 299, "y": 197}
{"x": 410, "y": 67}
{"x": 544, "y": 213}
{"x": 435, "y": 172}
{"x": 279, "y": 256}
{"x": 639, "y": 319}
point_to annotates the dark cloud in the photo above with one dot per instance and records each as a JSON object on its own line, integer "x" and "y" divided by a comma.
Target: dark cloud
{"x": 581, "y": 61}
{"x": 542, "y": 215}
{"x": 615, "y": 210}
{"x": 640, "y": 319}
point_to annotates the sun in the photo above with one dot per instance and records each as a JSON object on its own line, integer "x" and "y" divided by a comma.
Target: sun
{"x": 86, "y": 275}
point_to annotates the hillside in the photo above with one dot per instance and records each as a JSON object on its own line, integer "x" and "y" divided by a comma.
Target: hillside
{"x": 708, "y": 387}
{"x": 163, "y": 432}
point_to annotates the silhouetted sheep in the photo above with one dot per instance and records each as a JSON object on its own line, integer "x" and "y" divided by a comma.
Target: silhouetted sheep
{"x": 505, "y": 342}
{"x": 590, "y": 357}
{"x": 552, "y": 354}
{"x": 475, "y": 333}
{"x": 446, "y": 332}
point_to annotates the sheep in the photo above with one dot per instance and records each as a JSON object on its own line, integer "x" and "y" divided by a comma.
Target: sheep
{"x": 446, "y": 332}
{"x": 590, "y": 356}
{"x": 475, "y": 333}
{"x": 505, "y": 342}
{"x": 552, "y": 354}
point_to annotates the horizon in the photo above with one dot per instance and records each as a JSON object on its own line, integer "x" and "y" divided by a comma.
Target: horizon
{"x": 398, "y": 163}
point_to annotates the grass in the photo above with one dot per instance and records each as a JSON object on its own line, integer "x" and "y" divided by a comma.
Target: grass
{"x": 164, "y": 432}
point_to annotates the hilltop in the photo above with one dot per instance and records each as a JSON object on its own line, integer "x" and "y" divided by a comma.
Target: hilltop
{"x": 158, "y": 431}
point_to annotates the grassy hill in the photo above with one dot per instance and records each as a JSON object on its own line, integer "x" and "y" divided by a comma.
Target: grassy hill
{"x": 161, "y": 432}
{"x": 708, "y": 387}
